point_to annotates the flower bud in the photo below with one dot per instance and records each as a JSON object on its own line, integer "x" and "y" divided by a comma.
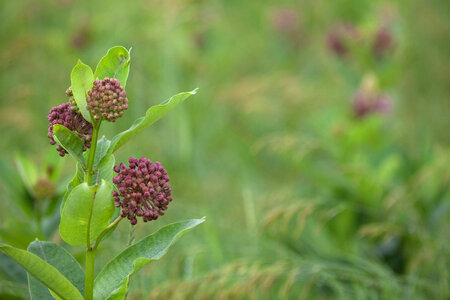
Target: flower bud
{"x": 143, "y": 190}
{"x": 107, "y": 99}
{"x": 64, "y": 115}
{"x": 73, "y": 104}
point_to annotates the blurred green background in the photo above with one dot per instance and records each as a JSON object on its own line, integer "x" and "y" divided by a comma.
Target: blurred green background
{"x": 305, "y": 196}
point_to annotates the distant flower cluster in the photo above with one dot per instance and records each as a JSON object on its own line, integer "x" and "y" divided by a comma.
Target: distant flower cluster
{"x": 107, "y": 99}
{"x": 340, "y": 39}
{"x": 64, "y": 115}
{"x": 366, "y": 102}
{"x": 144, "y": 190}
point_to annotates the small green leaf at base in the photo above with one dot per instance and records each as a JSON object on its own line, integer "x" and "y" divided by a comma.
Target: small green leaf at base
{"x": 113, "y": 279}
{"x": 70, "y": 142}
{"x": 82, "y": 80}
{"x": 44, "y": 272}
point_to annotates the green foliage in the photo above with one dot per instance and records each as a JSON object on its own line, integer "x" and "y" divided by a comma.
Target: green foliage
{"x": 152, "y": 115}
{"x": 113, "y": 279}
{"x": 115, "y": 64}
{"x": 86, "y": 213}
{"x": 70, "y": 142}
{"x": 82, "y": 79}
{"x": 44, "y": 272}
{"x": 59, "y": 258}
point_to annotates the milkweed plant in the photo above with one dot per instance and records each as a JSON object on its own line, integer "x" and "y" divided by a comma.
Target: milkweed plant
{"x": 103, "y": 192}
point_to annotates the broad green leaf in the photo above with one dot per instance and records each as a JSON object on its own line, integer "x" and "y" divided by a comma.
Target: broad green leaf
{"x": 115, "y": 64}
{"x": 113, "y": 279}
{"x": 105, "y": 172}
{"x": 14, "y": 188}
{"x": 152, "y": 115}
{"x": 82, "y": 80}
{"x": 77, "y": 179}
{"x": 13, "y": 290}
{"x": 44, "y": 272}
{"x": 87, "y": 211}
{"x": 53, "y": 165}
{"x": 69, "y": 141}
{"x": 27, "y": 171}
{"x": 59, "y": 258}
{"x": 102, "y": 148}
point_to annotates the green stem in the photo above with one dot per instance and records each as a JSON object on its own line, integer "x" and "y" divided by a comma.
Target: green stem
{"x": 91, "y": 157}
{"x": 90, "y": 252}
{"x": 89, "y": 283}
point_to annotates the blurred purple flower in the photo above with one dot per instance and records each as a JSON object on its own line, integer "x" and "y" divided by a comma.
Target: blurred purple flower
{"x": 383, "y": 41}
{"x": 367, "y": 102}
{"x": 339, "y": 37}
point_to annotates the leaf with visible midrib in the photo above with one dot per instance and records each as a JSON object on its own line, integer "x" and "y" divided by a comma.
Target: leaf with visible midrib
{"x": 69, "y": 141}
{"x": 115, "y": 64}
{"x": 87, "y": 208}
{"x": 152, "y": 115}
{"x": 113, "y": 279}
{"x": 82, "y": 80}
{"x": 62, "y": 261}
{"x": 44, "y": 272}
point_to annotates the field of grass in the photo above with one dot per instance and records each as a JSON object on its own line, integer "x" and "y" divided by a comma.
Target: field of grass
{"x": 305, "y": 198}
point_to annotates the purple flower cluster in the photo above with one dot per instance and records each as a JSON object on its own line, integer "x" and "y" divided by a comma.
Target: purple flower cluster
{"x": 144, "y": 190}
{"x": 107, "y": 99}
{"x": 365, "y": 103}
{"x": 339, "y": 38}
{"x": 64, "y": 115}
{"x": 383, "y": 42}
{"x": 73, "y": 104}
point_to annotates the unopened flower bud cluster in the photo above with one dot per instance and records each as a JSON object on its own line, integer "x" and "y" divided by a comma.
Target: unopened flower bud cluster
{"x": 107, "y": 99}
{"x": 64, "y": 115}
{"x": 144, "y": 190}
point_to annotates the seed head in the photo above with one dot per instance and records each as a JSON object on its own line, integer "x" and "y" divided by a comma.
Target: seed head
{"x": 44, "y": 189}
{"x": 107, "y": 99}
{"x": 143, "y": 188}
{"x": 64, "y": 115}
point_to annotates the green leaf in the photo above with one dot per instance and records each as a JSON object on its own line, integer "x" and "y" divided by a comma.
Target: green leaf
{"x": 14, "y": 188}
{"x": 82, "y": 80}
{"x": 76, "y": 180}
{"x": 113, "y": 279}
{"x": 69, "y": 141}
{"x": 115, "y": 64}
{"x": 105, "y": 172}
{"x": 59, "y": 258}
{"x": 152, "y": 115}
{"x": 44, "y": 272}
{"x": 102, "y": 148}
{"x": 27, "y": 171}
{"x": 13, "y": 290}
{"x": 87, "y": 212}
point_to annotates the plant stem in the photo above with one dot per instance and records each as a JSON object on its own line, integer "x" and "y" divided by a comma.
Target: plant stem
{"x": 91, "y": 157}
{"x": 89, "y": 283}
{"x": 90, "y": 252}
